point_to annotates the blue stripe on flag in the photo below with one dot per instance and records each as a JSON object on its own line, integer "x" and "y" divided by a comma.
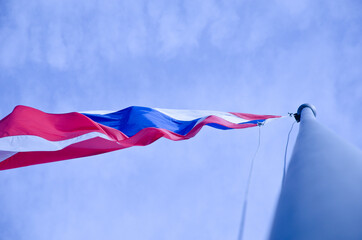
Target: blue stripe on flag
{"x": 218, "y": 126}
{"x": 133, "y": 119}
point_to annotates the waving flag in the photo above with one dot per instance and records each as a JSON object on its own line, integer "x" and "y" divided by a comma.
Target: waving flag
{"x": 29, "y": 136}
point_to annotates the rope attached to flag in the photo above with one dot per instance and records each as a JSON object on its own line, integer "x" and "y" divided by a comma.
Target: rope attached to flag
{"x": 285, "y": 154}
{"x": 245, "y": 203}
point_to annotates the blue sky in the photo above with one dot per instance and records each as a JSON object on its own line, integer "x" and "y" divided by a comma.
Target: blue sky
{"x": 263, "y": 57}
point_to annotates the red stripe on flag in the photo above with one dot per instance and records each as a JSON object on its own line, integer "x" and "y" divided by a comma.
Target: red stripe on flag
{"x": 53, "y": 127}
{"x": 249, "y": 116}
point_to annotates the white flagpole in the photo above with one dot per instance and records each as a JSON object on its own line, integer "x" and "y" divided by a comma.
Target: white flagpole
{"x": 321, "y": 197}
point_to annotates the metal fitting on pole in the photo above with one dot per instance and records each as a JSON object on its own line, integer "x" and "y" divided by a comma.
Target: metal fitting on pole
{"x": 301, "y": 107}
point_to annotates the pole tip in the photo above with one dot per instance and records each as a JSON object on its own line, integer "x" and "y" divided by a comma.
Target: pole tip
{"x": 299, "y": 111}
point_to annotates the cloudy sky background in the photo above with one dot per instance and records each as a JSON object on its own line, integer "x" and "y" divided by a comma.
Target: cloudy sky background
{"x": 263, "y": 57}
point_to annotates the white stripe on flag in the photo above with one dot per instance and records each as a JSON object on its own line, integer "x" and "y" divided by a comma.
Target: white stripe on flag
{"x": 30, "y": 143}
{"x": 189, "y": 115}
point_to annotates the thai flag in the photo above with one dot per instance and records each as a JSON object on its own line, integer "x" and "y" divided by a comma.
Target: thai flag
{"x": 29, "y": 136}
